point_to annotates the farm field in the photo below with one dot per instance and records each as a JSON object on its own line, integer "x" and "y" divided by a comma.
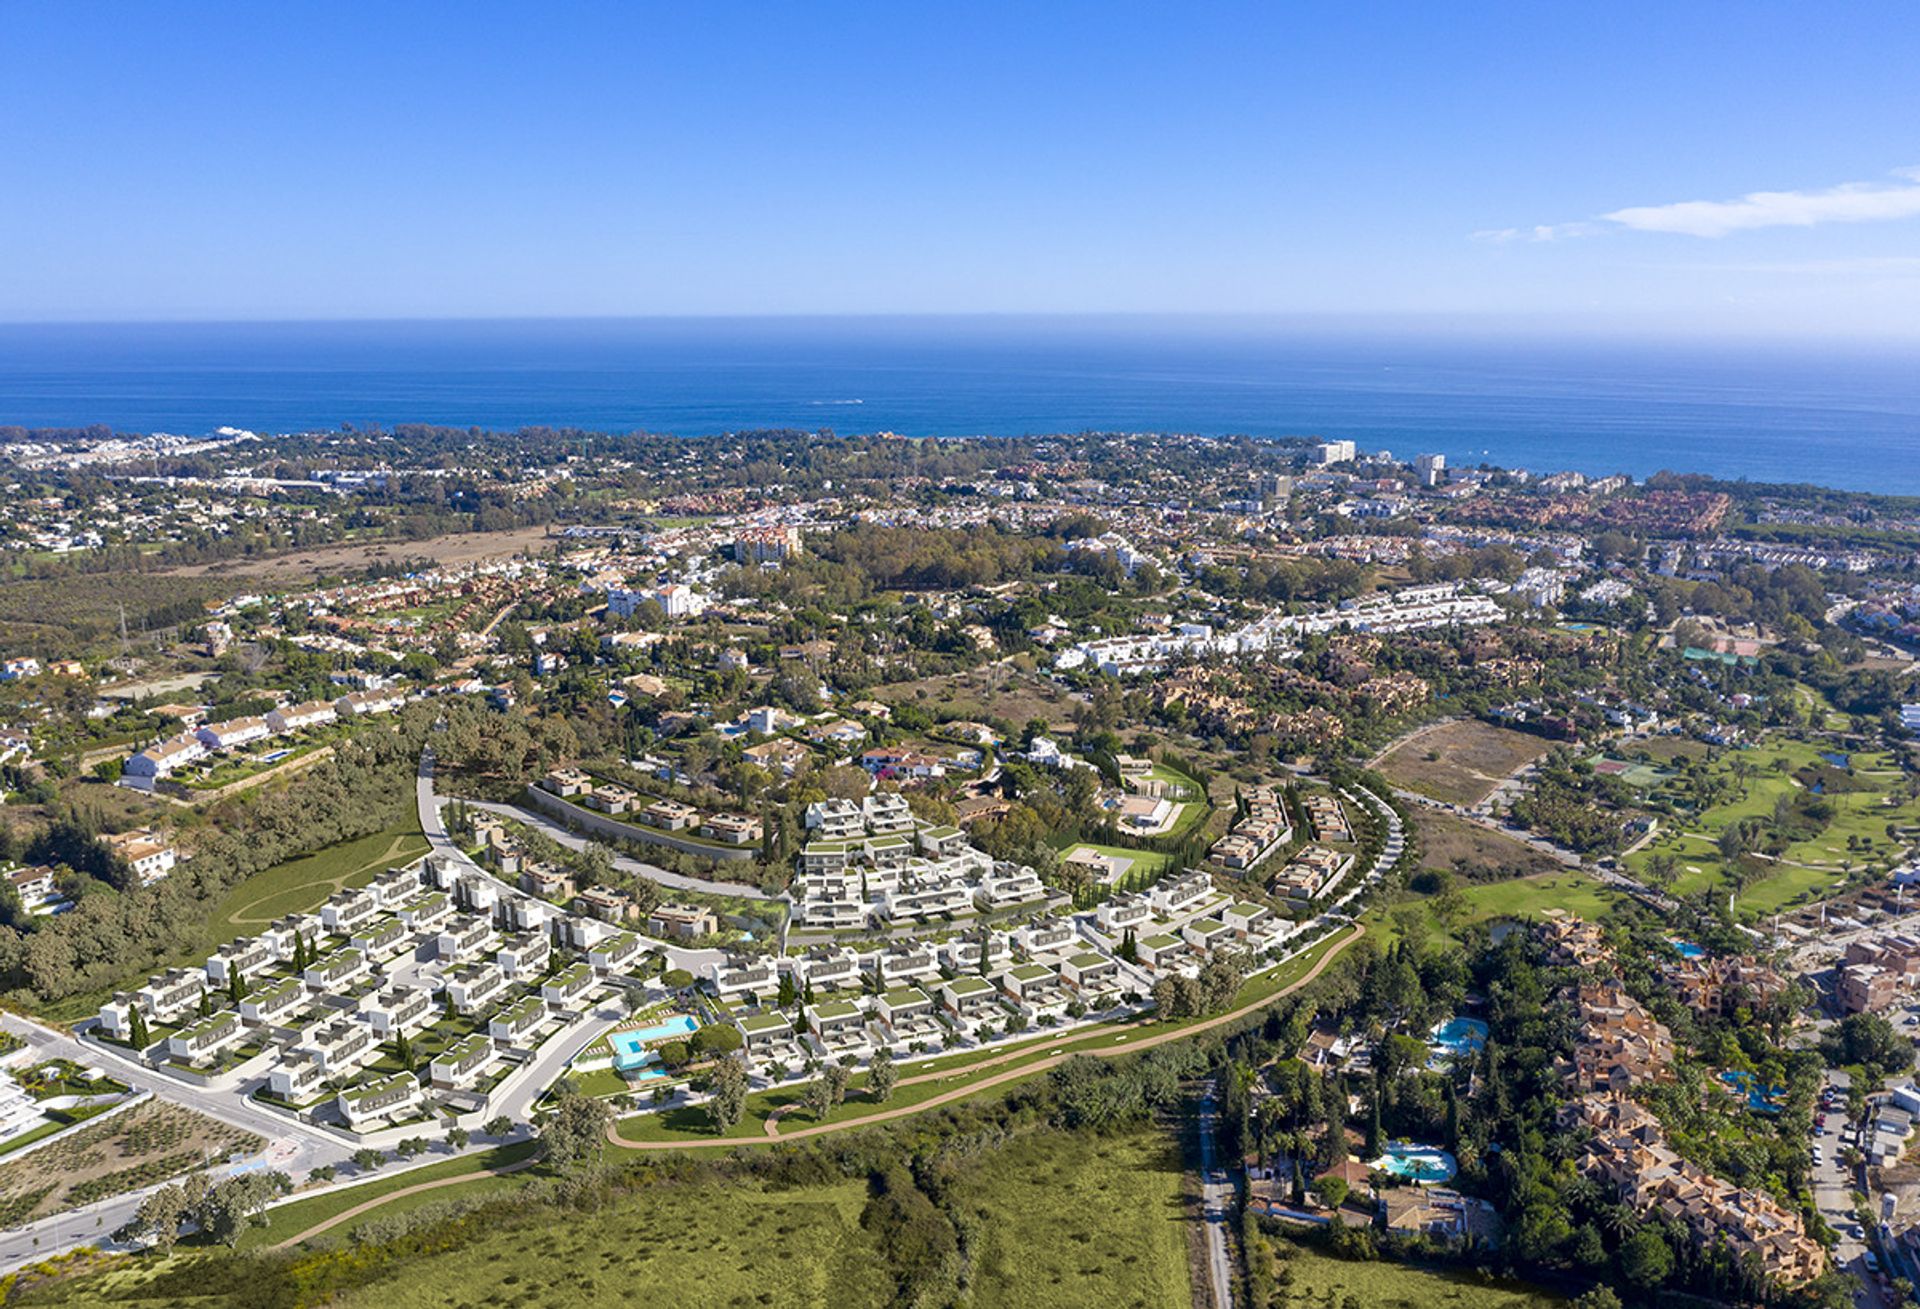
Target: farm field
{"x": 1318, "y": 1279}
{"x": 1079, "y": 1221}
{"x": 1459, "y": 762}
{"x": 147, "y": 1144}
{"x": 300, "y": 884}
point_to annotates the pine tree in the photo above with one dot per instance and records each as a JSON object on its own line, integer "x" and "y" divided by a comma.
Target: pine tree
{"x": 1129, "y": 948}
{"x": 137, "y": 1028}
{"x": 236, "y": 989}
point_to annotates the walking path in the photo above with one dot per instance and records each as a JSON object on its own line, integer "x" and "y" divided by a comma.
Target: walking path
{"x": 1012, "y": 1074}
{"x": 347, "y": 1215}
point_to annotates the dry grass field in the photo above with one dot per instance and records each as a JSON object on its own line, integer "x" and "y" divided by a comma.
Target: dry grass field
{"x": 1459, "y": 762}
{"x": 1445, "y": 840}
{"x": 452, "y": 550}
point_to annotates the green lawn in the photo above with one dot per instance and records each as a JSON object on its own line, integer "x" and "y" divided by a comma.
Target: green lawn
{"x": 1807, "y": 869}
{"x": 1074, "y": 1220}
{"x": 302, "y": 884}
{"x": 1146, "y": 867}
{"x": 1318, "y": 1279}
{"x": 1519, "y": 897}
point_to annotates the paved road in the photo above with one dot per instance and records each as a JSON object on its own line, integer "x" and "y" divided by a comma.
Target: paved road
{"x": 292, "y": 1147}
{"x": 1216, "y": 1202}
{"x": 1833, "y": 1188}
{"x": 436, "y": 830}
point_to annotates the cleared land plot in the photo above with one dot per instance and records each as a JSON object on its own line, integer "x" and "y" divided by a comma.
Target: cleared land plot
{"x": 1446, "y": 840}
{"x": 454, "y": 549}
{"x": 1318, "y": 1279}
{"x": 995, "y": 691}
{"x": 1077, "y": 1221}
{"x": 1460, "y": 762}
{"x": 300, "y": 884}
{"x": 147, "y": 1144}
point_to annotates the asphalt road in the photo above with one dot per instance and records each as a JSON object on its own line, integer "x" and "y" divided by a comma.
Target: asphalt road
{"x": 1216, "y": 1202}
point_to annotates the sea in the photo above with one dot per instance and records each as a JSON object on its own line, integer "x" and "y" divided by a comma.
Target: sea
{"x": 1769, "y": 412}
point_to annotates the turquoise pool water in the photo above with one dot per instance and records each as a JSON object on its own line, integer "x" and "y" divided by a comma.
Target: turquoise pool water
{"x": 1760, "y": 1099}
{"x": 630, "y": 1053}
{"x": 1458, "y": 1036}
{"x": 1687, "y": 949}
{"x": 1424, "y": 1164}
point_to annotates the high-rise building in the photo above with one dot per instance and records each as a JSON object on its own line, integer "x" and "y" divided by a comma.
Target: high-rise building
{"x": 1334, "y": 452}
{"x": 1430, "y": 469}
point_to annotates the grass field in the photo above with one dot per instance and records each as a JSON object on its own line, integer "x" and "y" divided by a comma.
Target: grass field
{"x": 1147, "y": 865}
{"x": 301, "y": 884}
{"x": 1316, "y": 1279}
{"x": 1520, "y": 897}
{"x": 1460, "y": 762}
{"x": 1071, "y": 1220}
{"x": 1856, "y": 837}
{"x": 701, "y": 1247}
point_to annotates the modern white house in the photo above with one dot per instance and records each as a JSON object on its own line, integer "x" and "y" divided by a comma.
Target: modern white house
{"x": 472, "y": 986}
{"x": 275, "y": 1003}
{"x": 461, "y": 1062}
{"x": 518, "y": 1020}
{"x": 156, "y": 762}
{"x": 203, "y": 1039}
{"x": 388, "y": 1099}
{"x": 399, "y": 1009}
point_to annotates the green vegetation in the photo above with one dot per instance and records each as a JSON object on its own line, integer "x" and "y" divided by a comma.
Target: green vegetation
{"x": 304, "y": 883}
{"x": 1436, "y": 918}
{"x": 300, "y": 1215}
{"x": 1066, "y": 1221}
{"x": 1314, "y": 1278}
{"x": 1766, "y": 834}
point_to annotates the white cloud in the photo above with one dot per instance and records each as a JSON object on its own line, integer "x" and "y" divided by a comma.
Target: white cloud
{"x": 1543, "y": 232}
{"x": 1850, "y": 202}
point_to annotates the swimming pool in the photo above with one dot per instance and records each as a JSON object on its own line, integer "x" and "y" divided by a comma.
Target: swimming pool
{"x": 1425, "y": 1165}
{"x": 630, "y": 1053}
{"x": 1687, "y": 949}
{"x": 1458, "y": 1036}
{"x": 1760, "y": 1099}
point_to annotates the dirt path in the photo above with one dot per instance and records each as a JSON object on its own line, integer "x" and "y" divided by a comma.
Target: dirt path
{"x": 346, "y": 1215}
{"x": 1012, "y": 1074}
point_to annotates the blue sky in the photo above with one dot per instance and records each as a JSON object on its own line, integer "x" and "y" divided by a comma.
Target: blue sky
{"x": 1421, "y": 162}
